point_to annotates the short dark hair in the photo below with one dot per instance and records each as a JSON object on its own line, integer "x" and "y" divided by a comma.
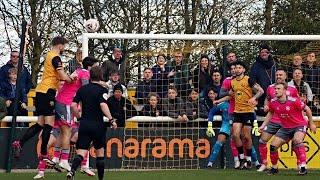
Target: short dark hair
{"x": 163, "y": 55}
{"x": 96, "y": 73}
{"x": 211, "y": 89}
{"x": 147, "y": 68}
{"x": 114, "y": 72}
{"x": 297, "y": 69}
{"x": 59, "y": 40}
{"x": 193, "y": 89}
{"x": 89, "y": 61}
{"x": 240, "y": 63}
{"x": 281, "y": 69}
{"x": 204, "y": 56}
{"x": 153, "y": 94}
{"x": 173, "y": 88}
{"x": 14, "y": 51}
{"x": 285, "y": 85}
{"x": 215, "y": 71}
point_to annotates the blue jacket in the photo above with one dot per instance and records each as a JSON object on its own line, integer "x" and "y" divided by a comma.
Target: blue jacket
{"x": 7, "y": 91}
{"x": 263, "y": 72}
{"x": 161, "y": 79}
{"x": 311, "y": 76}
{"x": 25, "y": 81}
{"x": 143, "y": 90}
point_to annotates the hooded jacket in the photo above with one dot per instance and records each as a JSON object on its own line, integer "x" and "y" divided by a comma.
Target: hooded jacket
{"x": 112, "y": 65}
{"x": 263, "y": 72}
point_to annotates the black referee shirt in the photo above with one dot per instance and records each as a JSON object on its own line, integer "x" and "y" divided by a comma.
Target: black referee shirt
{"x": 90, "y": 96}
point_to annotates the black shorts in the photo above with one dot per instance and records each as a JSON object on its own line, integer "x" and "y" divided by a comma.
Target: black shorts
{"x": 88, "y": 134}
{"x": 45, "y": 103}
{"x": 244, "y": 118}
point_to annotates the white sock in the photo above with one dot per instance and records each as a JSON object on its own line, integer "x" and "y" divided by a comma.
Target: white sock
{"x": 241, "y": 156}
{"x": 248, "y": 158}
{"x": 236, "y": 158}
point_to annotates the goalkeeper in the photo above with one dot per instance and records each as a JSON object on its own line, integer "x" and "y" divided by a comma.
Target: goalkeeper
{"x": 227, "y": 117}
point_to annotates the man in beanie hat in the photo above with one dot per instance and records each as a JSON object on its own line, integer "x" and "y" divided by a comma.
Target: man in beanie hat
{"x": 119, "y": 105}
{"x": 263, "y": 72}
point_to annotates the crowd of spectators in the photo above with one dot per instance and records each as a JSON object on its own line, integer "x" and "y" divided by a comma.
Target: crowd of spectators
{"x": 172, "y": 87}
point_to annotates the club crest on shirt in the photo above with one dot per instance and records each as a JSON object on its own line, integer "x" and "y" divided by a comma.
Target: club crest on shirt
{"x": 287, "y": 108}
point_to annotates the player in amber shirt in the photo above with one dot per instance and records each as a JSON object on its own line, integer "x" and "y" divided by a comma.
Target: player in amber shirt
{"x": 53, "y": 73}
{"x": 245, "y": 101}
{"x": 294, "y": 126}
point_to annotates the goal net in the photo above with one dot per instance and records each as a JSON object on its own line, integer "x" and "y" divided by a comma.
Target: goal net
{"x": 169, "y": 80}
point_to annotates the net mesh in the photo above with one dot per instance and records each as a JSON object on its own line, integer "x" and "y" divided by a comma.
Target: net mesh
{"x": 153, "y": 132}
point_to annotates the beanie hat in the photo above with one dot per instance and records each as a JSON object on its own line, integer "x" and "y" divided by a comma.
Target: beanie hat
{"x": 118, "y": 87}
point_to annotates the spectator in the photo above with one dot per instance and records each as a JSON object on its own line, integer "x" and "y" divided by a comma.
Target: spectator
{"x": 115, "y": 62}
{"x": 209, "y": 99}
{"x": 215, "y": 81}
{"x": 263, "y": 73}
{"x": 195, "y": 110}
{"x": 202, "y": 75}
{"x": 311, "y": 73}
{"x": 181, "y": 73}
{"x": 153, "y": 108}
{"x": 114, "y": 80}
{"x": 225, "y": 70}
{"x": 296, "y": 63}
{"x": 3, "y": 108}
{"x": 76, "y": 62}
{"x": 25, "y": 80}
{"x": 161, "y": 75}
{"x": 8, "y": 88}
{"x": 303, "y": 88}
{"x": 174, "y": 105}
{"x": 145, "y": 86}
{"x": 315, "y": 106}
{"x": 118, "y": 106}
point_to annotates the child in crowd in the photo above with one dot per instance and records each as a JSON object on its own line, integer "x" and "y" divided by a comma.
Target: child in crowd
{"x": 194, "y": 109}
{"x": 8, "y": 92}
{"x": 174, "y": 105}
{"x": 209, "y": 99}
{"x": 153, "y": 109}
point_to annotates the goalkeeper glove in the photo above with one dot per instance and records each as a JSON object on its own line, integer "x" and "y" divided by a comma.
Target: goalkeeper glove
{"x": 255, "y": 129}
{"x": 210, "y": 131}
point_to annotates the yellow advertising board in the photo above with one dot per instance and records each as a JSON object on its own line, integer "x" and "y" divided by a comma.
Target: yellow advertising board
{"x": 312, "y": 145}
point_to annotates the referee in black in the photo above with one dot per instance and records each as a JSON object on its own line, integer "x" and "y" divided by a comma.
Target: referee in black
{"x": 92, "y": 98}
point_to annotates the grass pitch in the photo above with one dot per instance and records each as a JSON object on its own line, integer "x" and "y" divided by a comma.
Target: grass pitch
{"x": 208, "y": 174}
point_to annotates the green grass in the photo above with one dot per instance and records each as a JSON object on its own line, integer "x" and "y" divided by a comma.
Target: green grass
{"x": 210, "y": 174}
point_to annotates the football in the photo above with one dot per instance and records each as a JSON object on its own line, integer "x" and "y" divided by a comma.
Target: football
{"x": 91, "y": 25}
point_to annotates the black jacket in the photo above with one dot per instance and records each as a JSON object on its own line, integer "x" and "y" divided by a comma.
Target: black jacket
{"x": 121, "y": 110}
{"x": 263, "y": 72}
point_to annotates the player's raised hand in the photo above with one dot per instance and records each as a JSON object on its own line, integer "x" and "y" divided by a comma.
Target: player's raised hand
{"x": 210, "y": 131}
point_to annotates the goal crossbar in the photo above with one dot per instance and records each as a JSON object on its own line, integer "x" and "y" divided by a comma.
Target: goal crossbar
{"x": 87, "y": 36}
